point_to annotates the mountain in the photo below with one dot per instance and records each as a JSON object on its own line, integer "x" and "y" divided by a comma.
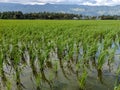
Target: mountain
{"x": 64, "y": 8}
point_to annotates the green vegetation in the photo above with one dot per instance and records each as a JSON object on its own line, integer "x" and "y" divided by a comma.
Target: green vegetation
{"x": 49, "y": 47}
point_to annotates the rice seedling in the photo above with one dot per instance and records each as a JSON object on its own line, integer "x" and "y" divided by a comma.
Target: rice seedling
{"x": 82, "y": 79}
{"x": 101, "y": 59}
{"x": 117, "y": 82}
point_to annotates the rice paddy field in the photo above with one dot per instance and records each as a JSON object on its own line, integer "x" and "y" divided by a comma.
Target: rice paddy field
{"x": 59, "y": 55}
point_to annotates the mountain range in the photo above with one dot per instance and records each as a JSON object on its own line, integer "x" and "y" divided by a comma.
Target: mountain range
{"x": 62, "y": 8}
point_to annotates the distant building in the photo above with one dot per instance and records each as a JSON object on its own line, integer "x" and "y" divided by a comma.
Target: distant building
{"x": 75, "y": 18}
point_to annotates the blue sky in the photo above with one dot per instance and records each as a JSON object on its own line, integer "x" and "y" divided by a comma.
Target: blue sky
{"x": 81, "y": 2}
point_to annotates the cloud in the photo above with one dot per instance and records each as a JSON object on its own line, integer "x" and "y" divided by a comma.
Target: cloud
{"x": 103, "y": 2}
{"x": 39, "y": 1}
{"x": 81, "y": 2}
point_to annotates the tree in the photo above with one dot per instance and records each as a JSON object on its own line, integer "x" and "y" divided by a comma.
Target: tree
{"x": 18, "y": 15}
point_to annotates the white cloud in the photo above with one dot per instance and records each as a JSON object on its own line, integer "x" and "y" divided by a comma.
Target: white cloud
{"x": 103, "y": 2}
{"x": 84, "y": 2}
{"x": 45, "y": 1}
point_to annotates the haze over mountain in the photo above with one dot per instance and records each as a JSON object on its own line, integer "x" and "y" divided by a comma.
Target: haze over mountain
{"x": 64, "y": 8}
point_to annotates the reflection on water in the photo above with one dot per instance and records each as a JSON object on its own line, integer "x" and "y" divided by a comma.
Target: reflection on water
{"x": 60, "y": 71}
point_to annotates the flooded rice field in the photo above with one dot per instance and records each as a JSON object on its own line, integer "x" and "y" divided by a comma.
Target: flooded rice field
{"x": 56, "y": 73}
{"x": 59, "y": 55}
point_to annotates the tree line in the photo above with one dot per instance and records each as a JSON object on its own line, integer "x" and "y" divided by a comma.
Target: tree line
{"x": 48, "y": 15}
{"x": 40, "y": 15}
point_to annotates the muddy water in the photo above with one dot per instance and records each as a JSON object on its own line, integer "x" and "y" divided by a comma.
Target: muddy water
{"x": 95, "y": 80}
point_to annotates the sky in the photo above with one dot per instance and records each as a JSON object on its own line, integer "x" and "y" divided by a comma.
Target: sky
{"x": 80, "y": 2}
